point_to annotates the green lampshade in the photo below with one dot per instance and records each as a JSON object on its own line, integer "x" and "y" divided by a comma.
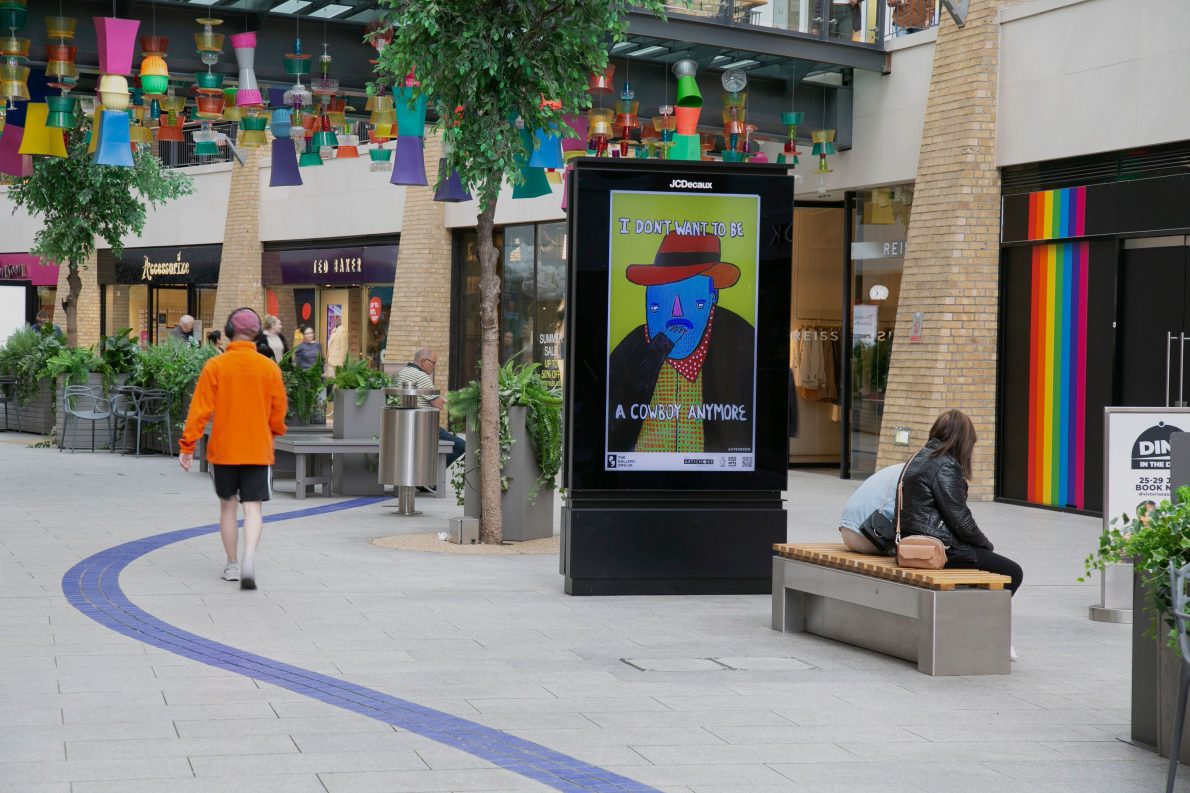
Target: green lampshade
{"x": 792, "y": 119}
{"x": 61, "y": 115}
{"x": 825, "y": 147}
{"x": 208, "y": 80}
{"x": 381, "y": 155}
{"x": 327, "y": 139}
{"x": 13, "y": 16}
{"x": 309, "y": 158}
{"x": 733, "y": 156}
{"x": 206, "y": 149}
{"x": 154, "y": 83}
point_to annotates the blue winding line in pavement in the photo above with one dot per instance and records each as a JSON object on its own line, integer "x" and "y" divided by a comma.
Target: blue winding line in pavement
{"x": 92, "y": 586}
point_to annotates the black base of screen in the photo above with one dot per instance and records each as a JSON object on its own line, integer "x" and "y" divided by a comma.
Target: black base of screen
{"x": 720, "y": 547}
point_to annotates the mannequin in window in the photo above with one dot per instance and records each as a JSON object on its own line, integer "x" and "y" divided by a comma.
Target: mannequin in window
{"x": 911, "y": 16}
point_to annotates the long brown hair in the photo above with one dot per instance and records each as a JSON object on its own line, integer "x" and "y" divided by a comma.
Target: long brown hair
{"x": 956, "y": 436}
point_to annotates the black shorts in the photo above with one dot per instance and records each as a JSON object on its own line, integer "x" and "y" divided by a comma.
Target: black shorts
{"x": 251, "y": 482}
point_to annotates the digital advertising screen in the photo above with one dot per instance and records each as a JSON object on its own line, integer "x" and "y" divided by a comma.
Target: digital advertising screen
{"x": 678, "y": 326}
{"x": 681, "y": 344}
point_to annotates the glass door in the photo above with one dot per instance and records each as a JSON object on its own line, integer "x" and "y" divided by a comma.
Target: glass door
{"x": 169, "y": 304}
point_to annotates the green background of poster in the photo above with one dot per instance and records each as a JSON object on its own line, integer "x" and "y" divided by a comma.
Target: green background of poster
{"x": 626, "y": 306}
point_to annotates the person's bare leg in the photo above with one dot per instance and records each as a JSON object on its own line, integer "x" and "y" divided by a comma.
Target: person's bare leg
{"x": 227, "y": 527}
{"x": 253, "y": 524}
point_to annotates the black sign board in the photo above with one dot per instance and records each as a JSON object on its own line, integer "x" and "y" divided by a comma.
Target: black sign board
{"x": 196, "y": 264}
{"x": 677, "y": 385}
{"x": 369, "y": 264}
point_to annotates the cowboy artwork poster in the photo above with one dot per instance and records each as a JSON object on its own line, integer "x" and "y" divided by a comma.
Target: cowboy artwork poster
{"x": 682, "y": 305}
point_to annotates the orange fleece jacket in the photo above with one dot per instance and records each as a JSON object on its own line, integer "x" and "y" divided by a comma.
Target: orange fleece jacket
{"x": 244, "y": 391}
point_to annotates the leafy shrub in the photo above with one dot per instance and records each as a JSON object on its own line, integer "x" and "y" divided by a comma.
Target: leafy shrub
{"x": 358, "y": 375}
{"x": 24, "y": 357}
{"x": 303, "y": 387}
{"x": 173, "y": 367}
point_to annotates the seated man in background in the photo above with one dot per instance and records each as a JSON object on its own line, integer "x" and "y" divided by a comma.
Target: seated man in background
{"x": 878, "y": 492}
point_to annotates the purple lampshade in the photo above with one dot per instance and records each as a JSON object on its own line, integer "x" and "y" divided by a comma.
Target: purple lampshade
{"x": 450, "y": 186}
{"x": 409, "y": 167}
{"x": 11, "y": 161}
{"x": 580, "y": 125}
{"x": 276, "y": 97}
{"x": 285, "y": 165}
{"x": 116, "y": 40}
{"x": 115, "y": 140}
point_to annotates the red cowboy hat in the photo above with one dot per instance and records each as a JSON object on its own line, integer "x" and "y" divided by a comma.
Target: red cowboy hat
{"x": 682, "y": 256}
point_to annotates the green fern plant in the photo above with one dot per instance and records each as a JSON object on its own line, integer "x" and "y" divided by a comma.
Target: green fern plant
{"x": 73, "y": 364}
{"x": 172, "y": 367}
{"x": 359, "y": 376}
{"x": 303, "y": 387}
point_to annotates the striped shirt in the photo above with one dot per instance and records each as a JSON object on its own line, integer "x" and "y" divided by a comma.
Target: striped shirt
{"x": 413, "y": 377}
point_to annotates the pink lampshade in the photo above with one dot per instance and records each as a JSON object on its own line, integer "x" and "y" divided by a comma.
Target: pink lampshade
{"x": 409, "y": 167}
{"x": 566, "y": 185}
{"x": 11, "y": 160}
{"x": 116, "y": 40}
{"x": 245, "y": 47}
{"x": 285, "y": 165}
{"x": 580, "y": 125}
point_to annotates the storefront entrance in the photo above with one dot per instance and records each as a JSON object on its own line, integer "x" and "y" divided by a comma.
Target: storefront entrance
{"x": 1154, "y": 301}
{"x": 149, "y": 289}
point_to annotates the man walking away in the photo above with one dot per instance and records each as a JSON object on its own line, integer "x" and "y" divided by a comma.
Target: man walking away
{"x": 419, "y": 373}
{"x": 244, "y": 391}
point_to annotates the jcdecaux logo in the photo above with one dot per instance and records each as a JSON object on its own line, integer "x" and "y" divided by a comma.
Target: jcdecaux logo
{"x": 687, "y": 184}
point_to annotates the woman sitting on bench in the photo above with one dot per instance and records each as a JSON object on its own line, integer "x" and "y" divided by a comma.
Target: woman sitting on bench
{"x": 934, "y": 499}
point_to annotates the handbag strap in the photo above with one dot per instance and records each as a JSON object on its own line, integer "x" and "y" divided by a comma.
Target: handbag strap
{"x": 900, "y": 486}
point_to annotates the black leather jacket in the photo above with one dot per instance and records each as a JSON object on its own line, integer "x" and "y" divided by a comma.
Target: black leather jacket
{"x": 934, "y": 503}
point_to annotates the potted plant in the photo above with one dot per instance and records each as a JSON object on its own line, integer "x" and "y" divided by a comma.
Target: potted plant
{"x": 23, "y": 358}
{"x": 172, "y": 367}
{"x": 530, "y": 450}
{"x": 1152, "y": 540}
{"x": 120, "y": 354}
{"x": 73, "y": 366}
{"x": 305, "y": 390}
{"x": 359, "y": 398}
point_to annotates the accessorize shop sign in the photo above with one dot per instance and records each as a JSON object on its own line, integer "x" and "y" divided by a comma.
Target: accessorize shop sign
{"x": 198, "y": 264}
{"x": 369, "y": 264}
{"x": 1138, "y": 455}
{"x": 26, "y": 267}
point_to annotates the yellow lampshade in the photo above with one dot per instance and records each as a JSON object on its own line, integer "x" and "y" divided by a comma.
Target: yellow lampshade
{"x": 40, "y": 140}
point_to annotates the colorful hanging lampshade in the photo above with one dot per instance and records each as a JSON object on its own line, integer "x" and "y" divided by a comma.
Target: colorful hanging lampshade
{"x": 115, "y": 139}
{"x": 230, "y": 111}
{"x": 325, "y": 137}
{"x": 248, "y": 92}
{"x": 61, "y": 112}
{"x": 383, "y": 111}
{"x": 285, "y": 171}
{"x": 205, "y": 141}
{"x": 276, "y": 98}
{"x": 252, "y": 127}
{"x": 14, "y": 82}
{"x": 116, "y": 39}
{"x": 170, "y": 128}
{"x": 309, "y": 158}
{"x": 297, "y": 63}
{"x": 281, "y": 123}
{"x": 734, "y": 125}
{"x": 39, "y": 139}
{"x": 579, "y": 141}
{"x": 113, "y": 91}
{"x": 548, "y": 152}
{"x": 824, "y": 145}
{"x": 380, "y": 158}
{"x": 599, "y": 128}
{"x": 411, "y": 113}
{"x": 533, "y": 180}
{"x": 626, "y": 117}
{"x": 208, "y": 82}
{"x": 450, "y": 186}
{"x": 348, "y": 148}
{"x": 382, "y": 133}
{"x": 688, "y": 94}
{"x": 324, "y": 84}
{"x": 140, "y": 136}
{"x": 14, "y": 14}
{"x": 665, "y": 124}
{"x": 154, "y": 75}
{"x": 336, "y": 111}
{"x": 409, "y": 166}
{"x": 207, "y": 42}
{"x": 791, "y": 120}
{"x": 601, "y": 82}
{"x": 12, "y": 162}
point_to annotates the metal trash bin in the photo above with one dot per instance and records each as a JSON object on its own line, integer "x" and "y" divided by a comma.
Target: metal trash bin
{"x": 408, "y": 445}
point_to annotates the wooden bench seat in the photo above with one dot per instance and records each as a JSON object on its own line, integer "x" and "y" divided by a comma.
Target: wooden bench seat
{"x": 951, "y": 622}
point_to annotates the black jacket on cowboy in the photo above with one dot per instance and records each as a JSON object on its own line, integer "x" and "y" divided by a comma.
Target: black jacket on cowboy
{"x": 726, "y": 376}
{"x": 934, "y": 503}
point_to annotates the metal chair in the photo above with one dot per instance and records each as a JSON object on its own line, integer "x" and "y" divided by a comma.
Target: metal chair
{"x": 148, "y": 409}
{"x": 81, "y": 403}
{"x": 1179, "y": 577}
{"x": 8, "y": 397}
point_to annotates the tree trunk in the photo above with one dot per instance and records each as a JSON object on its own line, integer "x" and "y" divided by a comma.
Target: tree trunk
{"x": 71, "y": 306}
{"x": 491, "y": 530}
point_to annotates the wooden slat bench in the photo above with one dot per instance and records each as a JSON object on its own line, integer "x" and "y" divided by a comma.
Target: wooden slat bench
{"x": 951, "y": 622}
{"x": 318, "y": 449}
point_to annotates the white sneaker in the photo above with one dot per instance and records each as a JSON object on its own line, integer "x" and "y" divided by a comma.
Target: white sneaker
{"x": 248, "y": 577}
{"x": 231, "y": 572}
{"x": 1012, "y": 653}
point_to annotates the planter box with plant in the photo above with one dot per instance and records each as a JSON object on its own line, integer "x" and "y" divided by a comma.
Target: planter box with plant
{"x": 23, "y": 357}
{"x": 1151, "y": 540}
{"x": 172, "y": 367}
{"x": 359, "y": 398}
{"x": 305, "y": 390}
{"x": 77, "y": 366}
{"x": 530, "y": 450}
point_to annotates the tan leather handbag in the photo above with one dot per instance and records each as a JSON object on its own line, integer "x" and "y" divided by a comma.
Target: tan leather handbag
{"x": 918, "y": 551}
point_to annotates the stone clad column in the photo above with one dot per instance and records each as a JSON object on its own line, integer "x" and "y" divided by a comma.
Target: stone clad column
{"x": 421, "y": 290}
{"x": 952, "y": 254}
{"x": 239, "y": 270}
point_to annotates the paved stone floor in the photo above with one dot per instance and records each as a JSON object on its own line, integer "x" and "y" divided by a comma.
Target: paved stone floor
{"x": 84, "y": 709}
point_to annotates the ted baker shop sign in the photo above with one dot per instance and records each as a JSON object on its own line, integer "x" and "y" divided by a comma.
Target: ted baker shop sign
{"x": 369, "y": 264}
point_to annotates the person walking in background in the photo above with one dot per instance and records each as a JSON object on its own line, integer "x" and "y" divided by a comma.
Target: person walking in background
{"x": 273, "y": 341}
{"x": 934, "y": 500}
{"x": 245, "y": 394}
{"x": 306, "y": 354}
{"x": 183, "y": 332}
{"x": 419, "y": 373}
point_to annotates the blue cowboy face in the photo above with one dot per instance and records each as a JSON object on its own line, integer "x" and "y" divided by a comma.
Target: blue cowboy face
{"x": 680, "y": 310}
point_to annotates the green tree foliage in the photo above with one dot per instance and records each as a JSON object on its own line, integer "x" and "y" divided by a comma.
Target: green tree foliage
{"x": 482, "y": 64}
{"x": 78, "y": 200}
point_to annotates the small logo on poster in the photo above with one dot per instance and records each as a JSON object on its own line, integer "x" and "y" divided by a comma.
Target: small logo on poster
{"x": 1151, "y": 449}
{"x": 611, "y": 461}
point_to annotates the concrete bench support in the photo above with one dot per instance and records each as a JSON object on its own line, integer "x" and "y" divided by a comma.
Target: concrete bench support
{"x": 955, "y": 632}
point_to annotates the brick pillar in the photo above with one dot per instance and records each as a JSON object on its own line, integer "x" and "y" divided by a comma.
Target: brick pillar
{"x": 239, "y": 270}
{"x": 87, "y": 315}
{"x": 420, "y": 313}
{"x": 952, "y": 253}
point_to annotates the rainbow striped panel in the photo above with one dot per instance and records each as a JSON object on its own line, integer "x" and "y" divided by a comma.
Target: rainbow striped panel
{"x": 1057, "y": 214}
{"x": 1058, "y": 373}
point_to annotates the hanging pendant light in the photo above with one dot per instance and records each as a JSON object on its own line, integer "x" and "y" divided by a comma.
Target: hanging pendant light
{"x": 248, "y": 92}
{"x": 791, "y": 120}
{"x": 116, "y": 39}
{"x": 285, "y": 171}
{"x": 40, "y": 139}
